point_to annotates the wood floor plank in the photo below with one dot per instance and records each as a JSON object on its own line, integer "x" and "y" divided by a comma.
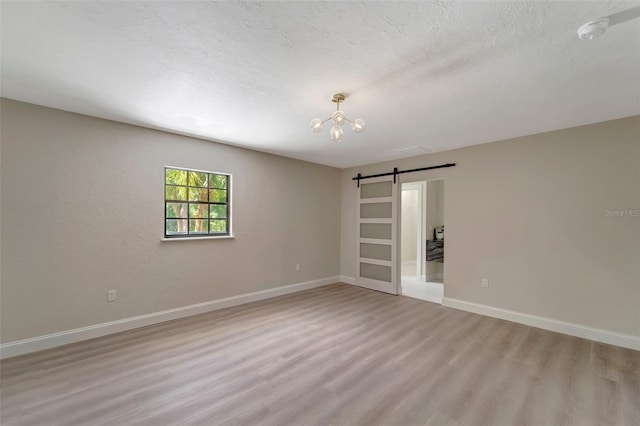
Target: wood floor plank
{"x": 333, "y": 355}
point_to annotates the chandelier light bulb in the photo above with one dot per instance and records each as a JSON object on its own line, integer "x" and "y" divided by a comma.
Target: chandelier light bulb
{"x": 317, "y": 125}
{"x": 338, "y": 117}
{"x": 358, "y": 125}
{"x": 336, "y": 133}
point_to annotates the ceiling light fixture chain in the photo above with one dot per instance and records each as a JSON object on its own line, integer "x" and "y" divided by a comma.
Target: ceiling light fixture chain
{"x": 338, "y": 118}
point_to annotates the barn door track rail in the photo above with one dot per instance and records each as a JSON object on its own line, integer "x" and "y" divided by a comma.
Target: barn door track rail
{"x": 396, "y": 172}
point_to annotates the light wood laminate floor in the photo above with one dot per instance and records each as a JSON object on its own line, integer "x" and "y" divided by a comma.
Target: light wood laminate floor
{"x": 332, "y": 355}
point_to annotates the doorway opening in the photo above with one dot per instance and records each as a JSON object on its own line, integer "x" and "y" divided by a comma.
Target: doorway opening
{"x": 422, "y": 240}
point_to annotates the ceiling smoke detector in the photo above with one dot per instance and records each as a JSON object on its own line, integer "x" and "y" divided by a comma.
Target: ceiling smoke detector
{"x": 593, "y": 29}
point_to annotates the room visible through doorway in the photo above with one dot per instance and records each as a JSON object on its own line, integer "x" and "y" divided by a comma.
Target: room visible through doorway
{"x": 422, "y": 238}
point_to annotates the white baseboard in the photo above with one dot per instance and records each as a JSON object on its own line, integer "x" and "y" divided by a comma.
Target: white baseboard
{"x": 590, "y": 333}
{"x": 39, "y": 343}
{"x": 347, "y": 280}
{"x": 596, "y": 334}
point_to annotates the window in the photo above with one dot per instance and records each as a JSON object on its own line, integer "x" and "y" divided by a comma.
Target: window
{"x": 196, "y": 203}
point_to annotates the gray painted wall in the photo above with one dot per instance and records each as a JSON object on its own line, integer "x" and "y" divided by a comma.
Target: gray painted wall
{"x": 530, "y": 214}
{"x": 82, "y": 212}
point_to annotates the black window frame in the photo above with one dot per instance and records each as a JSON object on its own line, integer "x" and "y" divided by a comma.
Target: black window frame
{"x": 207, "y": 186}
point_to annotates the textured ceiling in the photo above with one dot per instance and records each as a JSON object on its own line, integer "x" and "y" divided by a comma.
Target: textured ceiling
{"x": 425, "y": 76}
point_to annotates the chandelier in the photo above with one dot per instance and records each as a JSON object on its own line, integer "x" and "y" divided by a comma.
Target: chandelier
{"x": 338, "y": 118}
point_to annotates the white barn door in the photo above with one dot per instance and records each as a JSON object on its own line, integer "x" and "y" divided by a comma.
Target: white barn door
{"x": 376, "y": 235}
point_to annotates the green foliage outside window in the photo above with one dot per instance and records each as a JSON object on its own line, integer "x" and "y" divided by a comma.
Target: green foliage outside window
{"x": 197, "y": 203}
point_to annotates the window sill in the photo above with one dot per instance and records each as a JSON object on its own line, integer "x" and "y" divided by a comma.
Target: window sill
{"x": 222, "y": 237}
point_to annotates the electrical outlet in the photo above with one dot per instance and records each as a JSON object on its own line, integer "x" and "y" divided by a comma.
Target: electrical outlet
{"x": 111, "y": 295}
{"x": 297, "y": 266}
{"x": 485, "y": 282}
